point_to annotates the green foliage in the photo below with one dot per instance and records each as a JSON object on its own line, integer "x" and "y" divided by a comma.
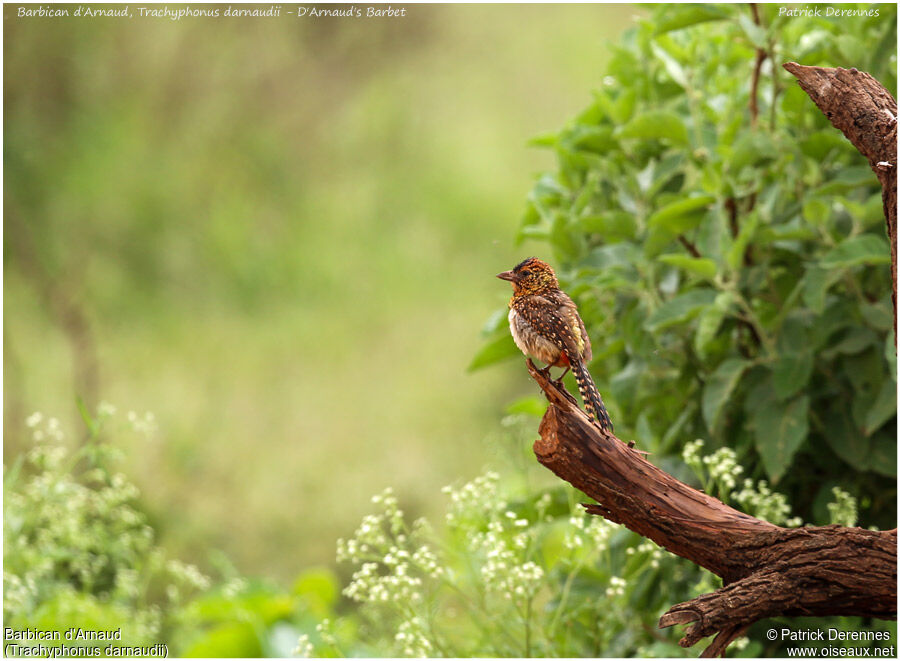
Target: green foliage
{"x": 79, "y": 552}
{"x": 731, "y": 267}
{"x": 843, "y": 510}
{"x": 531, "y": 575}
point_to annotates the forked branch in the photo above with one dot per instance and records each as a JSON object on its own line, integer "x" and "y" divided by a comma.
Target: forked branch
{"x": 767, "y": 570}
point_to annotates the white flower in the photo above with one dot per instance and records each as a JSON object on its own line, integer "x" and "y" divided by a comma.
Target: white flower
{"x": 616, "y": 587}
{"x": 304, "y": 647}
{"x": 765, "y": 504}
{"x": 691, "y": 451}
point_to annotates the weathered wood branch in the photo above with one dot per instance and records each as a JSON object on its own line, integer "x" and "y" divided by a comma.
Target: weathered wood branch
{"x": 767, "y": 570}
{"x": 866, "y": 113}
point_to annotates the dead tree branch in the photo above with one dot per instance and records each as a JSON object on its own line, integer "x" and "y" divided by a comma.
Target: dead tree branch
{"x": 767, "y": 570}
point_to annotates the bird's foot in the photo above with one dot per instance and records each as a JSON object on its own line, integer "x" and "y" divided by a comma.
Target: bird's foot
{"x": 547, "y": 375}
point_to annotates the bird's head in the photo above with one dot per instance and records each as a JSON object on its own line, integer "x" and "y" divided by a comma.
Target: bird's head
{"x": 531, "y": 276}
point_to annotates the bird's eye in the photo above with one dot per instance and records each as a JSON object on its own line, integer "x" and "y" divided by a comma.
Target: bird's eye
{"x": 526, "y": 273}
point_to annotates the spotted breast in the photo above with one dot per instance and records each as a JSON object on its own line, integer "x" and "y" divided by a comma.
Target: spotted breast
{"x": 530, "y": 341}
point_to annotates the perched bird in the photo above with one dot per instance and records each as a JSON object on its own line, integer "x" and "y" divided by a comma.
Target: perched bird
{"x": 545, "y": 324}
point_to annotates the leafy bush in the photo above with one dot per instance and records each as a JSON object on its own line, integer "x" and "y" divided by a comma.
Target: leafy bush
{"x": 79, "y": 552}
{"x": 731, "y": 265}
{"x": 534, "y": 576}
{"x": 531, "y": 575}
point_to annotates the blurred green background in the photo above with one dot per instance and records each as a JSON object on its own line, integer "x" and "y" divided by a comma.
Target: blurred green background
{"x": 279, "y": 236}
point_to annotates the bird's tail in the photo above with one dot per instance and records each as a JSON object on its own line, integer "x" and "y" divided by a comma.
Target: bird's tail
{"x": 592, "y": 401}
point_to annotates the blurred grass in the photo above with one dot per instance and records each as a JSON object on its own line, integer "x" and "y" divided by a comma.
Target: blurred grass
{"x": 282, "y": 235}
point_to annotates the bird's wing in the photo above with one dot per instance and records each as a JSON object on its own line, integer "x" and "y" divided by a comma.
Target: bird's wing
{"x": 586, "y": 352}
{"x": 569, "y": 311}
{"x": 559, "y": 323}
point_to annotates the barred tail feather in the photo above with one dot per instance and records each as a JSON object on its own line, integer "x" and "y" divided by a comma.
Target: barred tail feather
{"x": 592, "y": 401}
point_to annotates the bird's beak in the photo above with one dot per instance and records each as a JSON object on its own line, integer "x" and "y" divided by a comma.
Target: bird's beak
{"x": 507, "y": 275}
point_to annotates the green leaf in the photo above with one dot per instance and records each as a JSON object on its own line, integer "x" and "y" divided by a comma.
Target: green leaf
{"x": 710, "y": 320}
{"x": 319, "y": 588}
{"x": 779, "y": 430}
{"x": 867, "y": 214}
{"x": 623, "y": 108}
{"x": 620, "y": 109}
{"x": 665, "y": 171}
{"x": 613, "y": 225}
{"x": 528, "y": 405}
{"x": 878, "y": 315}
{"x": 751, "y": 148}
{"x": 536, "y": 232}
{"x": 499, "y": 349}
{"x": 883, "y": 456}
{"x": 553, "y": 547}
{"x": 497, "y": 319}
{"x": 682, "y": 215}
{"x": 883, "y": 408}
{"x": 89, "y": 421}
{"x": 625, "y": 382}
{"x": 672, "y": 433}
{"x": 544, "y": 140}
{"x": 865, "y": 372}
{"x": 673, "y": 67}
{"x": 232, "y": 639}
{"x": 816, "y": 211}
{"x": 847, "y": 179}
{"x": 679, "y": 309}
{"x": 864, "y": 249}
{"x": 819, "y": 144}
{"x": 844, "y": 438}
{"x": 705, "y": 268}
{"x": 877, "y": 453}
{"x": 718, "y": 389}
{"x": 852, "y": 48}
{"x": 791, "y": 373}
{"x": 656, "y": 124}
{"x": 854, "y": 341}
{"x": 567, "y": 243}
{"x": 619, "y": 256}
{"x": 755, "y": 33}
{"x": 594, "y": 139}
{"x": 735, "y": 255}
{"x": 682, "y": 16}
{"x": 816, "y": 282}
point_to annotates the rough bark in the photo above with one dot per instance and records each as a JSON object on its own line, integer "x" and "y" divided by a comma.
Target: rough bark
{"x": 767, "y": 570}
{"x": 866, "y": 113}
